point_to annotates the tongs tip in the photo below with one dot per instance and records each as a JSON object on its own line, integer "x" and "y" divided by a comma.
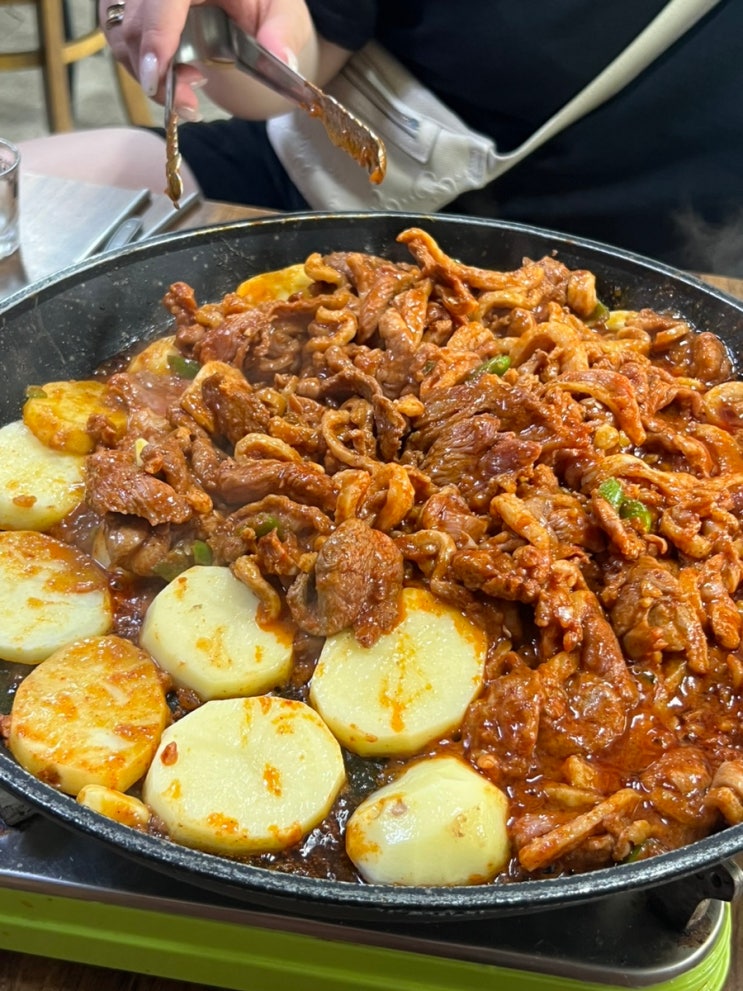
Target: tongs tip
{"x": 174, "y": 182}
{"x": 352, "y": 135}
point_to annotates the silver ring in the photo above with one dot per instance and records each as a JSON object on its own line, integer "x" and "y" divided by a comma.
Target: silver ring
{"x": 114, "y": 14}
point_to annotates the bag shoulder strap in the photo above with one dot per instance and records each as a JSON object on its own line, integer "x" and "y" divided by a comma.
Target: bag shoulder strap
{"x": 676, "y": 18}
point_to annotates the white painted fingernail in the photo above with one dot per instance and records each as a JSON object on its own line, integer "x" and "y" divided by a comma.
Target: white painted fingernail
{"x": 190, "y": 114}
{"x": 149, "y": 73}
{"x": 291, "y": 59}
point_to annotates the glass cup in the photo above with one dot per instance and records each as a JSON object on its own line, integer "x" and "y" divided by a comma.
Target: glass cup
{"x": 10, "y": 165}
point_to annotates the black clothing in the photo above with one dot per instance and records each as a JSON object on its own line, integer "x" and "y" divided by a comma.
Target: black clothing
{"x": 660, "y": 161}
{"x": 233, "y": 161}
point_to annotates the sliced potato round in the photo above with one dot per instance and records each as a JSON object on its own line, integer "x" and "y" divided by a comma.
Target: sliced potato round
{"x": 242, "y": 776}
{"x": 438, "y": 823}
{"x": 411, "y": 688}
{"x": 115, "y": 805}
{"x": 202, "y": 629}
{"x": 50, "y": 595}
{"x": 38, "y": 486}
{"x": 58, "y": 413}
{"x": 156, "y": 357}
{"x": 280, "y": 284}
{"x": 92, "y": 713}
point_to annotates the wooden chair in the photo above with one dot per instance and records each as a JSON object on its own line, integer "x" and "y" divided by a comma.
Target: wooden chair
{"x": 56, "y": 53}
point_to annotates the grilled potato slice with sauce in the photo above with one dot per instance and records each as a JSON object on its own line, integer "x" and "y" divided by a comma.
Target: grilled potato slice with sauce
{"x": 156, "y": 358}
{"x": 38, "y": 486}
{"x": 58, "y": 413}
{"x": 243, "y": 776}
{"x": 202, "y": 629}
{"x": 92, "y": 713}
{"x": 115, "y": 805}
{"x": 278, "y": 284}
{"x": 410, "y": 688}
{"x": 438, "y": 823}
{"x": 50, "y": 594}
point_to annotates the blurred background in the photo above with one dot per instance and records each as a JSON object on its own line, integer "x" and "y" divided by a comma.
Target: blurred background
{"x": 95, "y": 90}
{"x": 96, "y": 93}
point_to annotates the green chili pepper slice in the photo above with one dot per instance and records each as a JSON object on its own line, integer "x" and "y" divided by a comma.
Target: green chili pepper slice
{"x": 202, "y": 552}
{"x": 35, "y": 392}
{"x": 633, "y": 509}
{"x": 175, "y": 561}
{"x": 498, "y": 365}
{"x": 600, "y": 312}
{"x": 612, "y": 491}
{"x": 265, "y": 525}
{"x": 636, "y": 853}
{"x": 169, "y": 568}
{"x": 629, "y": 509}
{"x": 185, "y": 368}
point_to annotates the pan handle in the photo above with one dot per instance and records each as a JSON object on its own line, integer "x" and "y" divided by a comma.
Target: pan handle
{"x": 680, "y": 903}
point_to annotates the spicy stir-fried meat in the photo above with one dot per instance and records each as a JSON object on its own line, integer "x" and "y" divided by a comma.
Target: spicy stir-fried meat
{"x": 568, "y": 477}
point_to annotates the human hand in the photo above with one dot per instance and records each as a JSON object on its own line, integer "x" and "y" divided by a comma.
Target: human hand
{"x": 148, "y": 37}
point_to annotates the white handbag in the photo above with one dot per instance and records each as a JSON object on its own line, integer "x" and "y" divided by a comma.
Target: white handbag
{"x": 432, "y": 156}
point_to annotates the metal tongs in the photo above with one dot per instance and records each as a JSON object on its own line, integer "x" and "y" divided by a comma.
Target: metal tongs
{"x": 210, "y": 36}
{"x": 174, "y": 184}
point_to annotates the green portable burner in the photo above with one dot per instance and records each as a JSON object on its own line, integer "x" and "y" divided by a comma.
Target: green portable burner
{"x": 64, "y": 895}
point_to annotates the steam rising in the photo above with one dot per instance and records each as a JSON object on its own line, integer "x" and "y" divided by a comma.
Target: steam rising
{"x": 712, "y": 248}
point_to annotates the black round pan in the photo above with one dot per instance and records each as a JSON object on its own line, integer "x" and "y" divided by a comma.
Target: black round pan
{"x": 68, "y": 325}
